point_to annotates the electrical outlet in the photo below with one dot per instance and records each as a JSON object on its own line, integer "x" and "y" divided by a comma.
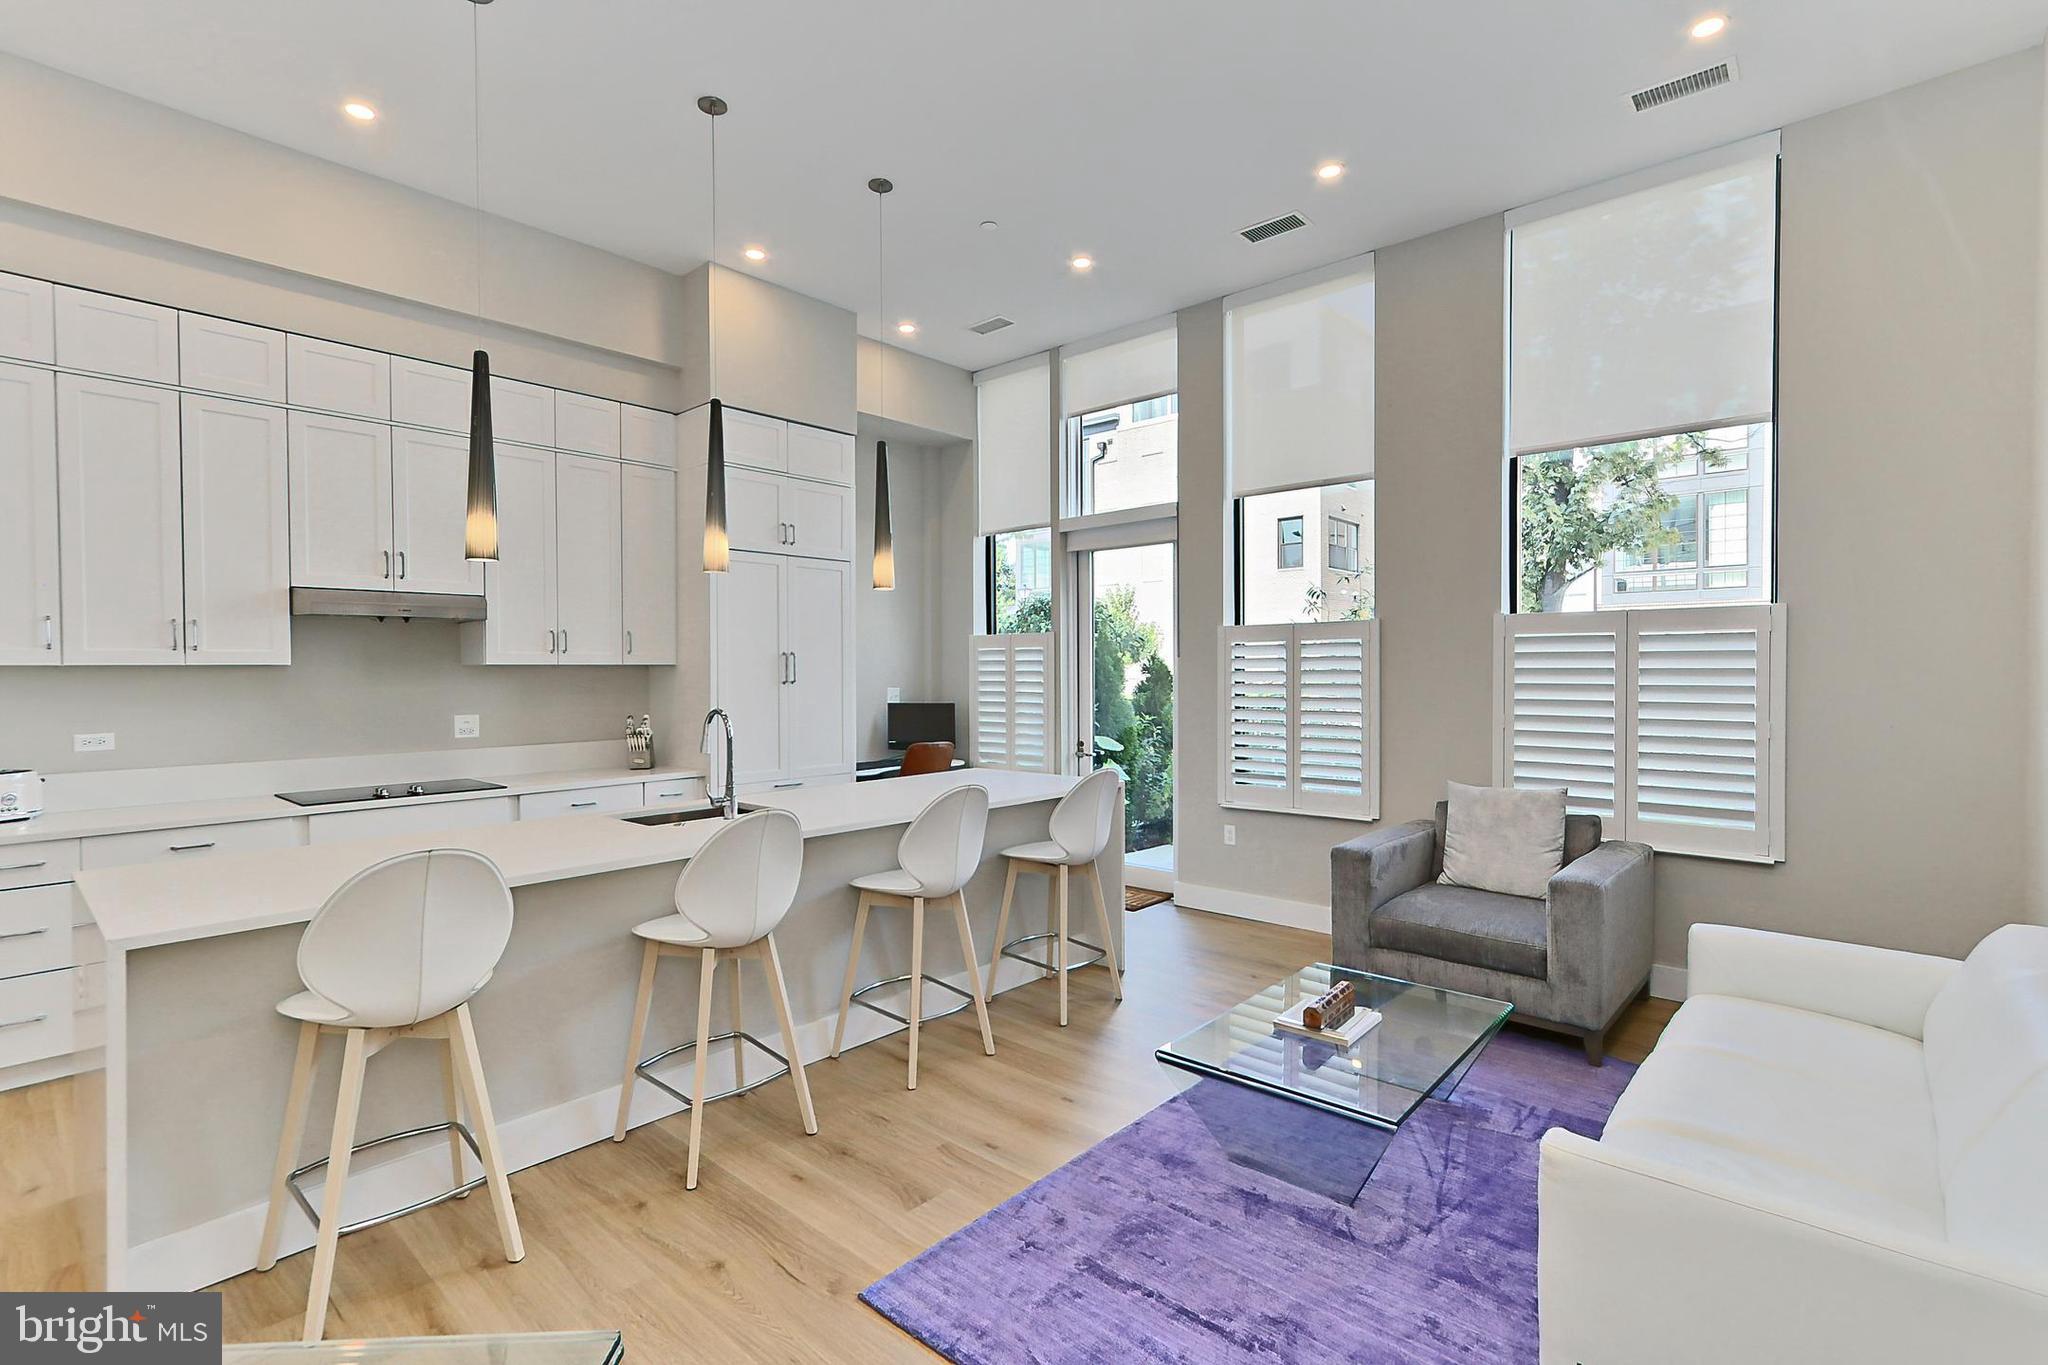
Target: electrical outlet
{"x": 1230, "y": 834}
{"x": 93, "y": 744}
{"x": 895, "y": 694}
{"x": 467, "y": 727}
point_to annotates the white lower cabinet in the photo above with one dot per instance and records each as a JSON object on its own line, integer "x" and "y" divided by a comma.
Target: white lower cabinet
{"x": 580, "y": 801}
{"x": 238, "y": 607}
{"x": 37, "y": 1016}
{"x": 122, "y": 534}
{"x": 681, "y": 791}
{"x": 376, "y": 823}
{"x": 30, "y": 607}
{"x": 647, "y": 553}
{"x": 783, "y": 649}
{"x": 35, "y": 930}
{"x": 192, "y": 841}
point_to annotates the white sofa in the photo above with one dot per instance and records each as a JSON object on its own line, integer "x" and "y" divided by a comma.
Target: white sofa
{"x": 1835, "y": 1153}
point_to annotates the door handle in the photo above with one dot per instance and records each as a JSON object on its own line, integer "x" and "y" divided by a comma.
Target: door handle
{"x": 187, "y": 848}
{"x": 387, "y": 563}
{"x": 49, "y": 633}
{"x": 551, "y": 642}
{"x": 192, "y": 633}
{"x": 24, "y": 933}
{"x": 401, "y": 564}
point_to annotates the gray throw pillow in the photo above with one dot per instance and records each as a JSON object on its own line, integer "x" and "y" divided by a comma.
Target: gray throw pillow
{"x": 1505, "y": 839}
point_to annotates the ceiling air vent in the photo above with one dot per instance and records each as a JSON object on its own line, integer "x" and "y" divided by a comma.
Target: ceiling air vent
{"x": 994, "y": 324}
{"x": 1697, "y": 83}
{"x": 1272, "y": 227}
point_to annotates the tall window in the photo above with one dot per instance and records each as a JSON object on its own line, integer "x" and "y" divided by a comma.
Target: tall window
{"x": 1122, "y": 434}
{"x": 1019, "y": 574}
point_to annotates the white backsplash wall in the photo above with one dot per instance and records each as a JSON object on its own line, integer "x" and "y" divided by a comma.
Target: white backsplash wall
{"x": 354, "y": 686}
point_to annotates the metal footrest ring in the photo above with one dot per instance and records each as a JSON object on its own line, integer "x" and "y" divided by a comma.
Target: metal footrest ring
{"x": 642, "y": 1071}
{"x": 291, "y": 1182}
{"x": 965, "y": 999}
{"x": 1009, "y": 950}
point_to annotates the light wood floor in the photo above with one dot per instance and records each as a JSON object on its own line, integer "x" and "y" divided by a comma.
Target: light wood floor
{"x": 764, "y": 1260}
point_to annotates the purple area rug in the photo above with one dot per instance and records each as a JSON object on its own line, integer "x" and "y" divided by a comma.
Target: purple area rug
{"x": 1154, "y": 1246}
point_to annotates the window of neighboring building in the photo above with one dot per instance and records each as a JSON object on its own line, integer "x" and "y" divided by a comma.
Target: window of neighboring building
{"x": 1343, "y": 545}
{"x": 1020, "y": 582}
{"x": 1290, "y": 543}
{"x": 1305, "y": 555}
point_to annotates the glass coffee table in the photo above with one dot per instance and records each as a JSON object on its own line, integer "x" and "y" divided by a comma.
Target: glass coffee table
{"x": 1320, "y": 1115}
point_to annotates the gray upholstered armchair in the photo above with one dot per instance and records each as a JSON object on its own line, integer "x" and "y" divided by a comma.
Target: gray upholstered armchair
{"x": 1570, "y": 962}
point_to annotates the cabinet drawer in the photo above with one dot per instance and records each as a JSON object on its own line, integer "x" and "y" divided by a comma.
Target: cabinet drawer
{"x": 586, "y": 424}
{"x": 109, "y": 335}
{"x": 194, "y": 841}
{"x": 815, "y": 453}
{"x": 38, "y": 864}
{"x": 336, "y": 378}
{"x": 582, "y": 801}
{"x": 424, "y": 394}
{"x": 220, "y": 356}
{"x": 522, "y": 413}
{"x": 375, "y": 824}
{"x": 647, "y": 436}
{"x": 683, "y": 791}
{"x": 26, "y": 319}
{"x": 755, "y": 441}
{"x": 36, "y": 1016}
{"x": 35, "y": 930}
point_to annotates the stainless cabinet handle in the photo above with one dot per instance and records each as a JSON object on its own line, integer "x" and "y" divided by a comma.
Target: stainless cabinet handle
{"x": 551, "y": 642}
{"x": 666, "y": 796}
{"x": 565, "y": 640}
{"x": 581, "y": 805}
{"x": 49, "y": 633}
{"x": 792, "y": 667}
{"x": 792, "y": 533}
{"x": 781, "y": 785}
{"x": 629, "y": 642}
{"x": 24, "y": 867}
{"x": 174, "y": 633}
{"x": 25, "y": 933}
{"x": 23, "y": 1023}
{"x": 387, "y": 563}
{"x": 192, "y": 633}
{"x": 401, "y": 563}
{"x": 187, "y": 848}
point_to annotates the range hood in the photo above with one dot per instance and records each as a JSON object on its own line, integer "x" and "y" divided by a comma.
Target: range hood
{"x": 426, "y": 606}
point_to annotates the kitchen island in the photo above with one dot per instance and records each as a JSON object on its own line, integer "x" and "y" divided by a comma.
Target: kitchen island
{"x": 198, "y": 956}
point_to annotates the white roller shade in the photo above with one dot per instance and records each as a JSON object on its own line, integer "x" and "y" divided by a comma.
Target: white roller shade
{"x": 1094, "y": 376}
{"x": 1647, "y": 306}
{"x": 1300, "y": 356}
{"x": 1013, "y": 445}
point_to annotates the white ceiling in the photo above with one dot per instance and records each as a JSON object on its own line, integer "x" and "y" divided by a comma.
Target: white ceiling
{"x": 1142, "y": 131}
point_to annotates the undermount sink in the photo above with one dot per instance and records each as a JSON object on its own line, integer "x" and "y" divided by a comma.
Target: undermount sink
{"x": 682, "y": 817}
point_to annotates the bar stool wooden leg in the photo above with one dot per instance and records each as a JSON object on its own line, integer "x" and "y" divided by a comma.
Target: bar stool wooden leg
{"x": 1116, "y": 971}
{"x": 1060, "y": 943}
{"x": 995, "y": 957}
{"x": 347, "y": 1101}
{"x": 469, "y": 1068}
{"x": 739, "y": 1045}
{"x": 988, "y": 1039}
{"x": 916, "y": 979}
{"x": 288, "y": 1145}
{"x": 703, "y": 1051}
{"x": 773, "y": 963}
{"x": 636, "y": 1037}
{"x": 452, "y": 1102}
{"x": 860, "y": 928}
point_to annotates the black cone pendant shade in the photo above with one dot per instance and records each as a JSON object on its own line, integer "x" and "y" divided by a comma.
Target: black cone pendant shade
{"x": 717, "y": 549}
{"x": 480, "y": 530}
{"x": 885, "y": 539}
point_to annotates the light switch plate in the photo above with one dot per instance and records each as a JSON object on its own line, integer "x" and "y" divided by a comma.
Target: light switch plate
{"x": 1230, "y": 834}
{"x": 467, "y": 727}
{"x": 93, "y": 744}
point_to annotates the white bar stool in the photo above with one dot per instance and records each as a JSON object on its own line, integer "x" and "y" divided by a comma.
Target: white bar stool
{"x": 729, "y": 899}
{"x": 397, "y": 952}
{"x": 939, "y": 853}
{"x": 1080, "y": 832}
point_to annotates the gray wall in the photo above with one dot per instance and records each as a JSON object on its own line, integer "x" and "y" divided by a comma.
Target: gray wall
{"x": 776, "y": 351}
{"x": 1910, "y": 245}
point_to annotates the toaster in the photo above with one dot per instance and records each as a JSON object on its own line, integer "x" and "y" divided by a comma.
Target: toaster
{"x": 21, "y": 793}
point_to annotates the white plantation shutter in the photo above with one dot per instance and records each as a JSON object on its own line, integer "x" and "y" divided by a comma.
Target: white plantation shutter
{"x": 1662, "y": 723}
{"x": 1300, "y": 724}
{"x": 1011, "y": 703}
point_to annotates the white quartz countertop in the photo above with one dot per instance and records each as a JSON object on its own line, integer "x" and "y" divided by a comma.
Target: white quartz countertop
{"x": 76, "y": 824}
{"x": 156, "y": 903}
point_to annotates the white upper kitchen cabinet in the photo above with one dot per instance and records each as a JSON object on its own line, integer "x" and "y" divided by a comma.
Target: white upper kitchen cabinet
{"x": 337, "y": 378}
{"x": 341, "y": 503}
{"x": 430, "y": 507}
{"x": 424, "y": 394}
{"x": 647, "y": 436}
{"x": 111, "y": 335}
{"x": 237, "y": 551}
{"x": 647, "y": 517}
{"x": 520, "y": 626}
{"x": 820, "y": 518}
{"x": 815, "y": 453}
{"x": 587, "y": 603}
{"x": 27, "y": 319}
{"x": 587, "y": 425}
{"x": 29, "y": 605}
{"x": 523, "y": 413}
{"x": 817, "y": 626}
{"x": 753, "y": 510}
{"x": 755, "y": 441}
{"x": 220, "y": 356}
{"x": 121, "y": 540}
{"x": 750, "y": 672}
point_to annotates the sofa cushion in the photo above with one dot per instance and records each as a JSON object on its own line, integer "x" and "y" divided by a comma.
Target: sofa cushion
{"x": 1582, "y": 834}
{"x": 1460, "y": 924}
{"x": 1811, "y": 1108}
{"x": 1504, "y": 839}
{"x": 1986, "y": 1039}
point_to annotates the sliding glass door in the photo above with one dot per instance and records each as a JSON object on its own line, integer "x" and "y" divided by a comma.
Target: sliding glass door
{"x": 1125, "y": 667}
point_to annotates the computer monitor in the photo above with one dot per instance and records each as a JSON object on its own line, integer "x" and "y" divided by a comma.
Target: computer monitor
{"x": 913, "y": 722}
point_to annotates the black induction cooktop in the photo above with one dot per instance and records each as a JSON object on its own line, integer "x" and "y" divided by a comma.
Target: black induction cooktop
{"x": 392, "y": 791}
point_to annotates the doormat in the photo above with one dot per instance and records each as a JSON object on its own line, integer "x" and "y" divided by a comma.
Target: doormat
{"x": 1138, "y": 897}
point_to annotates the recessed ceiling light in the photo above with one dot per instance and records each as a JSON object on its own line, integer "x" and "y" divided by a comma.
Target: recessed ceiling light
{"x": 360, "y": 112}
{"x": 1082, "y": 263}
{"x": 907, "y": 328}
{"x": 989, "y": 225}
{"x": 755, "y": 253}
{"x": 1710, "y": 26}
{"x": 1330, "y": 170}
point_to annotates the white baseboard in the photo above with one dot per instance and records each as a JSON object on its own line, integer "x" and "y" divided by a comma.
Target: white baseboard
{"x": 195, "y": 1257}
{"x": 1666, "y": 982}
{"x": 1246, "y": 905}
{"x": 52, "y": 1068}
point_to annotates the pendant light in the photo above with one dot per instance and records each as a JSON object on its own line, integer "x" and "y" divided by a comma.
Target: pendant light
{"x": 717, "y": 548}
{"x": 885, "y": 540}
{"x": 480, "y": 527}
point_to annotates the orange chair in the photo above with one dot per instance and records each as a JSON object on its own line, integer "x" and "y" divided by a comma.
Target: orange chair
{"x": 928, "y": 756}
